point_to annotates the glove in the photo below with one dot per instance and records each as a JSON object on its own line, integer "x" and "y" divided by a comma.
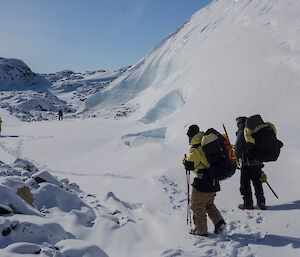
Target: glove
{"x": 188, "y": 165}
{"x": 263, "y": 177}
{"x": 184, "y": 159}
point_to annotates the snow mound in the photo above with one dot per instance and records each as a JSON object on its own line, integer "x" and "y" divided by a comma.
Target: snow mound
{"x": 45, "y": 176}
{"x": 61, "y": 218}
{"x": 57, "y": 213}
{"x": 25, "y": 165}
{"x": 149, "y": 136}
{"x": 11, "y": 199}
{"x": 23, "y": 248}
{"x": 64, "y": 248}
{"x": 79, "y": 248}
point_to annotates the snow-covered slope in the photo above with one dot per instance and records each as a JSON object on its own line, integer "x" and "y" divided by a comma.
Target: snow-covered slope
{"x": 247, "y": 48}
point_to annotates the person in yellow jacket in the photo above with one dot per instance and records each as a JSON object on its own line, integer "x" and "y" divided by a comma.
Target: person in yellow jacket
{"x": 204, "y": 188}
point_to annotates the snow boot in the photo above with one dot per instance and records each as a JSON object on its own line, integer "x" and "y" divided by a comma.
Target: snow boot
{"x": 220, "y": 227}
{"x": 245, "y": 207}
{"x": 196, "y": 233}
{"x": 261, "y": 206}
{"x": 261, "y": 202}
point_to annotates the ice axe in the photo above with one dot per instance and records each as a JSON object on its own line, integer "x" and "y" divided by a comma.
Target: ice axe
{"x": 272, "y": 189}
{"x": 263, "y": 178}
{"x": 225, "y": 132}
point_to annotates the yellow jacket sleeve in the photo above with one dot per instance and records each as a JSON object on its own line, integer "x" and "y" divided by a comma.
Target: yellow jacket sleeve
{"x": 197, "y": 156}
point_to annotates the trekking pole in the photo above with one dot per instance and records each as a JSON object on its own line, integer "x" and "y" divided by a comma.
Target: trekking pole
{"x": 188, "y": 210}
{"x": 272, "y": 189}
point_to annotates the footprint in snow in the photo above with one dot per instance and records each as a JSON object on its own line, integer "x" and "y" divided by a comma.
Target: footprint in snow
{"x": 172, "y": 253}
{"x": 218, "y": 245}
{"x": 14, "y": 152}
{"x": 174, "y": 191}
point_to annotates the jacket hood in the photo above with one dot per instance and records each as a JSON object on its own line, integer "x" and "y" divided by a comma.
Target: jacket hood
{"x": 196, "y": 140}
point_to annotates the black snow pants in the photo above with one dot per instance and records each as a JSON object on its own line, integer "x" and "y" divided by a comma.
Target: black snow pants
{"x": 248, "y": 174}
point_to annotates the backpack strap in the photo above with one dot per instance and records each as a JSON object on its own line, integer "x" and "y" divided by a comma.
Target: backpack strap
{"x": 261, "y": 126}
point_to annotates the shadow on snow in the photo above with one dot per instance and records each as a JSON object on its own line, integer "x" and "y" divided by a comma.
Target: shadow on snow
{"x": 269, "y": 240}
{"x": 285, "y": 207}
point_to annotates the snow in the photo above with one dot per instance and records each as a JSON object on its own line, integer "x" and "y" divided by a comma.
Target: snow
{"x": 78, "y": 248}
{"x": 16, "y": 75}
{"x": 167, "y": 105}
{"x": 31, "y": 97}
{"x": 150, "y": 136}
{"x": 115, "y": 183}
{"x": 74, "y": 87}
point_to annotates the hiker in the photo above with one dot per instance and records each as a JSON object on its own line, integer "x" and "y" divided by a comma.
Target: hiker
{"x": 204, "y": 188}
{"x": 60, "y": 115}
{"x": 0, "y": 125}
{"x": 251, "y": 170}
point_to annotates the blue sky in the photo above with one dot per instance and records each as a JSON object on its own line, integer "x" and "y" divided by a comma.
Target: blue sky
{"x": 53, "y": 35}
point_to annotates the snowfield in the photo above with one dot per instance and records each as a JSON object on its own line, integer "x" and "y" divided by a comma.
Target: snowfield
{"x": 108, "y": 180}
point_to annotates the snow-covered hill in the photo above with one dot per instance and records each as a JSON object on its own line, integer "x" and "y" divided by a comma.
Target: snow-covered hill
{"x": 26, "y": 94}
{"x": 233, "y": 57}
{"x": 16, "y": 75}
{"x": 75, "y": 87}
{"x": 34, "y": 97}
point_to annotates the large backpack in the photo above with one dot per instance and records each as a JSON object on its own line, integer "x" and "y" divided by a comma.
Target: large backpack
{"x": 262, "y": 143}
{"x": 219, "y": 153}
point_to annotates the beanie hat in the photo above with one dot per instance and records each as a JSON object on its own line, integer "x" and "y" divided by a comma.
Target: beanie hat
{"x": 241, "y": 119}
{"x": 193, "y": 130}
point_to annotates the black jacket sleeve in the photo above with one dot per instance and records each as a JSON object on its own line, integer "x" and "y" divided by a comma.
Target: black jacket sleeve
{"x": 240, "y": 144}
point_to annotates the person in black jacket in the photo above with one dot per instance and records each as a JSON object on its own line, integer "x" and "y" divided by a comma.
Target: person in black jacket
{"x": 250, "y": 171}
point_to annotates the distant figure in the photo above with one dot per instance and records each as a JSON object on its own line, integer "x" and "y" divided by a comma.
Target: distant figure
{"x": 60, "y": 115}
{"x": 0, "y": 125}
